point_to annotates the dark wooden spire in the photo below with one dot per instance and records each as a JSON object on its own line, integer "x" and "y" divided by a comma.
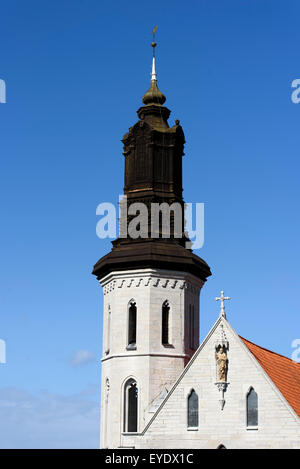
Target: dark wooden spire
{"x": 153, "y": 159}
{"x": 153, "y": 154}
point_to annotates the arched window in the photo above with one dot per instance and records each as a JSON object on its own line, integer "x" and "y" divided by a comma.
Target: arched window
{"x": 132, "y": 311}
{"x": 165, "y": 329}
{"x": 193, "y": 409}
{"x": 252, "y": 408}
{"x": 192, "y": 327}
{"x": 130, "y": 406}
{"x": 107, "y": 348}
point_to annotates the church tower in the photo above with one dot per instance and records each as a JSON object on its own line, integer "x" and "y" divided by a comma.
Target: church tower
{"x": 151, "y": 281}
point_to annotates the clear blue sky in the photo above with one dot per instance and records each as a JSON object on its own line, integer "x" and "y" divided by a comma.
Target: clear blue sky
{"x": 75, "y": 72}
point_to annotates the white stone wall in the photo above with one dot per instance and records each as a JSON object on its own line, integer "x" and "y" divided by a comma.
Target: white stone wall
{"x": 278, "y": 425}
{"x": 153, "y": 365}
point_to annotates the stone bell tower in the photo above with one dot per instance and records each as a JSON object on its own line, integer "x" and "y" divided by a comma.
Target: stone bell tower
{"x": 151, "y": 283}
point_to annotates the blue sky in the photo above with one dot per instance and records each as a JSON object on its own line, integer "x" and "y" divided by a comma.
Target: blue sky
{"x": 75, "y": 72}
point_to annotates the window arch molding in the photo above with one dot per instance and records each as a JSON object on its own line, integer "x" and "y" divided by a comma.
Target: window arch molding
{"x": 192, "y": 400}
{"x": 131, "y": 333}
{"x": 251, "y": 408}
{"x": 130, "y": 404}
{"x": 166, "y": 329}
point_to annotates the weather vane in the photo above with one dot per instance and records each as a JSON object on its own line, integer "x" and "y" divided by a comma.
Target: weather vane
{"x": 153, "y": 42}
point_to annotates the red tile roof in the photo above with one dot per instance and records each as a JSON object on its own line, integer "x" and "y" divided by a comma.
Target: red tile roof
{"x": 284, "y": 372}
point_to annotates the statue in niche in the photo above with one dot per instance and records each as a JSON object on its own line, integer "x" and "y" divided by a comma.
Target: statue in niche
{"x": 222, "y": 364}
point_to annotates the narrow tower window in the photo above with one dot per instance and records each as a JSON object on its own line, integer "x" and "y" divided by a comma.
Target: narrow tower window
{"x": 132, "y": 326}
{"x": 130, "y": 406}
{"x": 165, "y": 337}
{"x": 193, "y": 409}
{"x": 107, "y": 348}
{"x": 252, "y": 408}
{"x": 192, "y": 326}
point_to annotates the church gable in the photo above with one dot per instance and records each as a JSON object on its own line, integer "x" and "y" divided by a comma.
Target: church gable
{"x": 222, "y": 397}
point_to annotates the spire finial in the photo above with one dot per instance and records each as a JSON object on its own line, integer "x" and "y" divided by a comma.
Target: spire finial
{"x": 221, "y": 299}
{"x": 153, "y": 96}
{"x": 153, "y": 44}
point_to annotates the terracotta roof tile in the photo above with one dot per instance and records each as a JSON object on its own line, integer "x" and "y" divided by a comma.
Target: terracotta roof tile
{"x": 284, "y": 372}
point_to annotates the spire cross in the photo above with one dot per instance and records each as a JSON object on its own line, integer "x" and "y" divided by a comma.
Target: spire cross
{"x": 153, "y": 44}
{"x": 221, "y": 299}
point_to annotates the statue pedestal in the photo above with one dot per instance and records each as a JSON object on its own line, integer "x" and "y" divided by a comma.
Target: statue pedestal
{"x": 222, "y": 386}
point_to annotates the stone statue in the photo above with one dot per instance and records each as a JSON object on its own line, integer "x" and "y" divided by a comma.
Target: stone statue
{"x": 222, "y": 363}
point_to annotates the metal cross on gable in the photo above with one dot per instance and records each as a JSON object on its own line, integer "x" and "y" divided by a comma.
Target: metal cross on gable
{"x": 222, "y": 298}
